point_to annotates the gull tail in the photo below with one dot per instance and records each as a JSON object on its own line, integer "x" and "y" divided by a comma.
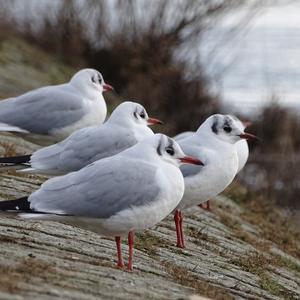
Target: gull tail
{"x": 15, "y": 162}
{"x": 21, "y": 204}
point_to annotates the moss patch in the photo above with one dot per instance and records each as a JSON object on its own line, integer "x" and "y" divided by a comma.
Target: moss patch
{"x": 255, "y": 263}
{"x": 259, "y": 265}
{"x": 274, "y": 288}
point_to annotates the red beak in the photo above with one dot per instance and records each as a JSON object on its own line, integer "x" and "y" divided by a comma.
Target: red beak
{"x": 247, "y": 124}
{"x": 107, "y": 87}
{"x": 191, "y": 160}
{"x": 248, "y": 136}
{"x": 153, "y": 121}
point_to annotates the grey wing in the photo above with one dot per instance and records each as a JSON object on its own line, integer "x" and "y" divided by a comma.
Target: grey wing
{"x": 99, "y": 190}
{"x": 42, "y": 110}
{"x": 96, "y": 143}
{"x": 82, "y": 148}
{"x": 187, "y": 169}
{"x": 190, "y": 170}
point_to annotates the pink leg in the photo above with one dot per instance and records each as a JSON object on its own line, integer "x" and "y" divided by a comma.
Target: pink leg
{"x": 130, "y": 245}
{"x": 178, "y": 231}
{"x": 181, "y": 230}
{"x": 120, "y": 263}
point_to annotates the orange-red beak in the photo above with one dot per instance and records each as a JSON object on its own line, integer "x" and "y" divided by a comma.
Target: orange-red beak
{"x": 153, "y": 121}
{"x": 107, "y": 87}
{"x": 248, "y": 136}
{"x": 191, "y": 160}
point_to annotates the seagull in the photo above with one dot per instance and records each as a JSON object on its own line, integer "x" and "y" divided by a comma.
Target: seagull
{"x": 241, "y": 148}
{"x": 49, "y": 114}
{"x": 127, "y": 125}
{"x": 126, "y": 193}
{"x": 214, "y": 143}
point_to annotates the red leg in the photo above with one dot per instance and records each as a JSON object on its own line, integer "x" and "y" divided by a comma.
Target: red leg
{"x": 178, "y": 231}
{"x": 181, "y": 230}
{"x": 130, "y": 245}
{"x": 120, "y": 263}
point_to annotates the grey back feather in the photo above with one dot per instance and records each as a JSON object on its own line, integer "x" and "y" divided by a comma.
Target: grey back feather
{"x": 99, "y": 190}
{"x": 83, "y": 147}
{"x": 43, "y": 110}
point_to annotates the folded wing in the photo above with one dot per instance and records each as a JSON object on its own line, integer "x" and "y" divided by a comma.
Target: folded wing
{"x": 100, "y": 190}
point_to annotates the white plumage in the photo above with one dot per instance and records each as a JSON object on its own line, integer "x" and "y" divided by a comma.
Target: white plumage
{"x": 50, "y": 114}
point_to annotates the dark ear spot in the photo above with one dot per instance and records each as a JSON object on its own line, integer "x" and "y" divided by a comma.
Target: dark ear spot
{"x": 227, "y": 122}
{"x": 158, "y": 149}
{"x": 170, "y": 142}
{"x": 214, "y": 126}
{"x": 136, "y": 113}
{"x": 93, "y": 79}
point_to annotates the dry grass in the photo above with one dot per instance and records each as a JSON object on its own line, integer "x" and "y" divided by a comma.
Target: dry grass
{"x": 259, "y": 264}
{"x": 149, "y": 243}
{"x": 25, "y": 270}
{"x": 200, "y": 236}
{"x": 203, "y": 288}
{"x": 274, "y": 288}
{"x": 273, "y": 225}
{"x": 255, "y": 263}
{"x": 9, "y": 149}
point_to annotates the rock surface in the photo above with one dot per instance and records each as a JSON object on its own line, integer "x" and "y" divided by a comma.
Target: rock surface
{"x": 48, "y": 260}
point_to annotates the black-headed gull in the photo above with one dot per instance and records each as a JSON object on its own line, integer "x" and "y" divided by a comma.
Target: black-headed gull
{"x": 126, "y": 193}
{"x": 241, "y": 148}
{"x": 127, "y": 125}
{"x": 214, "y": 144}
{"x": 49, "y": 114}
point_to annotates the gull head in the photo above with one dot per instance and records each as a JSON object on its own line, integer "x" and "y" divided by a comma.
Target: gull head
{"x": 225, "y": 128}
{"x": 132, "y": 113}
{"x": 169, "y": 151}
{"x": 90, "y": 79}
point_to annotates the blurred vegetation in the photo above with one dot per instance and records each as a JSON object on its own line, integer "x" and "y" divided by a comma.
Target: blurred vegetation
{"x": 275, "y": 160}
{"x": 149, "y": 51}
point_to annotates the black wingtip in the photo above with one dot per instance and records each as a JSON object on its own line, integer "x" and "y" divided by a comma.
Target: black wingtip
{"x": 15, "y": 159}
{"x": 21, "y": 204}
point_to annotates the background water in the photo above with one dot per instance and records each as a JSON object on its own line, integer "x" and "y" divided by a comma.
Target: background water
{"x": 260, "y": 62}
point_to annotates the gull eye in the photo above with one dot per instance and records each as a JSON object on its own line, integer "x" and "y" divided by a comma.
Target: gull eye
{"x": 227, "y": 129}
{"x": 143, "y": 115}
{"x": 170, "y": 151}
